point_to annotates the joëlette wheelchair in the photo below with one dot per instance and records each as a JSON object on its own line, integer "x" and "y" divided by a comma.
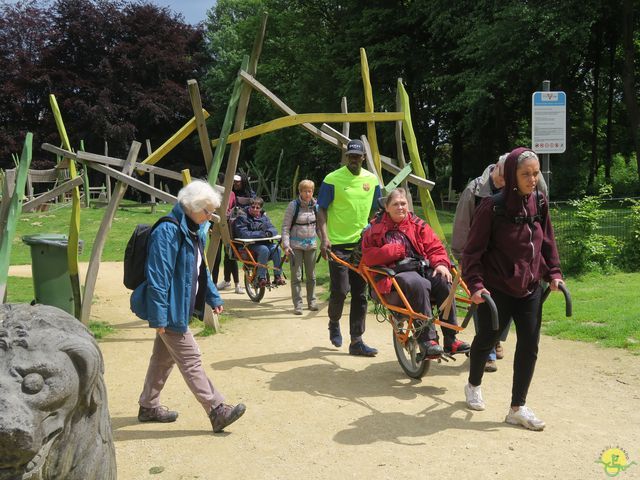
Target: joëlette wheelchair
{"x": 240, "y": 251}
{"x": 408, "y": 324}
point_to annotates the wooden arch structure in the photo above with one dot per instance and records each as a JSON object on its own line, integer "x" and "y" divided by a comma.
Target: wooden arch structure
{"x": 244, "y": 85}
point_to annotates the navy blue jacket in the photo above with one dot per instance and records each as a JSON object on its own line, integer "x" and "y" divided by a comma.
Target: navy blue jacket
{"x": 246, "y": 226}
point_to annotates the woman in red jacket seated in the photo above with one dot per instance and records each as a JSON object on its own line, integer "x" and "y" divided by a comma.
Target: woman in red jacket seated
{"x": 399, "y": 234}
{"x": 510, "y": 249}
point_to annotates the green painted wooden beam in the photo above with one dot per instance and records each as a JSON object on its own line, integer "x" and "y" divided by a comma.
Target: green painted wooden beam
{"x": 12, "y": 213}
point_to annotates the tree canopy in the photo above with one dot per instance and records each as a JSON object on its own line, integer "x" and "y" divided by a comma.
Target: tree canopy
{"x": 119, "y": 72}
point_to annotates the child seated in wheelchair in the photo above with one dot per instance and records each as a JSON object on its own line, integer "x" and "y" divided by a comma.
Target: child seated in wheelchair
{"x": 397, "y": 235}
{"x": 253, "y": 224}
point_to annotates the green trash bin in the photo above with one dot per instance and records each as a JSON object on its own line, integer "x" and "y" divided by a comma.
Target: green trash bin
{"x": 50, "y": 270}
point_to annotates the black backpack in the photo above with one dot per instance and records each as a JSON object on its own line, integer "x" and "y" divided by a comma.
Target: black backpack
{"x": 499, "y": 209}
{"x": 135, "y": 255}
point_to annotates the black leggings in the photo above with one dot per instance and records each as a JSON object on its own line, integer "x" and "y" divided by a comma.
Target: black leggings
{"x": 230, "y": 266}
{"x": 526, "y": 317}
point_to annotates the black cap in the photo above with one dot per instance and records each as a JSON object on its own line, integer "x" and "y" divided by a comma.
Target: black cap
{"x": 355, "y": 147}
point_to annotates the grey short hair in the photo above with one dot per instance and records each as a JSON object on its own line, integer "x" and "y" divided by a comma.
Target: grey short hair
{"x": 526, "y": 155}
{"x": 396, "y": 192}
{"x": 199, "y": 195}
{"x": 500, "y": 163}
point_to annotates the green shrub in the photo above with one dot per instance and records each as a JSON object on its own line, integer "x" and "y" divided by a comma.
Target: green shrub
{"x": 630, "y": 254}
{"x": 587, "y": 249}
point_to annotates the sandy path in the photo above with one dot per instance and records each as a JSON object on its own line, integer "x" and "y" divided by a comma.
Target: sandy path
{"x": 314, "y": 412}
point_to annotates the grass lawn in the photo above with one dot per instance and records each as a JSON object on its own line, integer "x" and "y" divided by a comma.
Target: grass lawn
{"x": 605, "y": 307}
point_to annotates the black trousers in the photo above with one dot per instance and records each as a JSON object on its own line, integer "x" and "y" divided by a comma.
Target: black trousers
{"x": 343, "y": 280}
{"x": 526, "y": 317}
{"x": 419, "y": 291}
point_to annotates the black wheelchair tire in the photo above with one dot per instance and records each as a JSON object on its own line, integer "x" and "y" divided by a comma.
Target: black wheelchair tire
{"x": 406, "y": 355}
{"x": 255, "y": 293}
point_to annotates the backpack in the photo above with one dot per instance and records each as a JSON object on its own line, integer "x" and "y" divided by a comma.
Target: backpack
{"x": 296, "y": 212}
{"x": 499, "y": 209}
{"x": 135, "y": 255}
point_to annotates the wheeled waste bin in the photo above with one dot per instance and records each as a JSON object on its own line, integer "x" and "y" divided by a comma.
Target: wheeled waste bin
{"x": 50, "y": 270}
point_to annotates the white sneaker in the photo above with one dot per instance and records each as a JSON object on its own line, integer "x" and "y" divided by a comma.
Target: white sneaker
{"x": 524, "y": 416}
{"x": 240, "y": 289}
{"x": 223, "y": 285}
{"x": 474, "y": 397}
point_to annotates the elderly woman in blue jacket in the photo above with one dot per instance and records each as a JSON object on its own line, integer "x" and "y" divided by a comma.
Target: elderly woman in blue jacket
{"x": 177, "y": 285}
{"x": 254, "y": 224}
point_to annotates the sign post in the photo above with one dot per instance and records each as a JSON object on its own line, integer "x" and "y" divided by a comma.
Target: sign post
{"x": 548, "y": 126}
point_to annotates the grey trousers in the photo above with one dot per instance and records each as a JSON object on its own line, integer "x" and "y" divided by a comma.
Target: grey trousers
{"x": 182, "y": 350}
{"x": 308, "y": 258}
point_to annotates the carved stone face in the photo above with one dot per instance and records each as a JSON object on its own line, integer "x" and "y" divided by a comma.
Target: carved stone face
{"x": 51, "y": 390}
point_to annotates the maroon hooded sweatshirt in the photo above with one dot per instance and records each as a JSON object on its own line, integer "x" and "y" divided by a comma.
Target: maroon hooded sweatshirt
{"x": 507, "y": 256}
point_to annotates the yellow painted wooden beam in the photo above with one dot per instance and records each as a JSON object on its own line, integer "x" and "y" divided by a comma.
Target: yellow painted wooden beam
{"x": 186, "y": 177}
{"x": 368, "y": 107}
{"x": 74, "y": 224}
{"x": 291, "y": 120}
{"x": 174, "y": 140}
{"x": 412, "y": 146}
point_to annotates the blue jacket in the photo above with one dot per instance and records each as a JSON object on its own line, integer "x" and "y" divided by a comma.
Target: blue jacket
{"x": 164, "y": 298}
{"x": 246, "y": 226}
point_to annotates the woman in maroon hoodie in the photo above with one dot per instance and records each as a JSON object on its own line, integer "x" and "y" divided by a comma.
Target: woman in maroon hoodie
{"x": 510, "y": 249}
{"x": 399, "y": 234}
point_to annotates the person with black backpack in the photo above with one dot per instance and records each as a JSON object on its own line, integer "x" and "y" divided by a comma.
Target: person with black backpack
{"x": 299, "y": 241}
{"x": 489, "y": 183}
{"x": 176, "y": 286}
{"x": 511, "y": 248}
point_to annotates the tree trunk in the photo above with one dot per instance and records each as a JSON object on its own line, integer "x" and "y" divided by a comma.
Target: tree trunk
{"x": 628, "y": 77}
{"x": 457, "y": 158}
{"x": 612, "y": 41}
{"x": 595, "y": 103}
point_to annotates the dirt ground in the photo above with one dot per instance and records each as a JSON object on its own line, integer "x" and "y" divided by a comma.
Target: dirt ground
{"x": 314, "y": 412}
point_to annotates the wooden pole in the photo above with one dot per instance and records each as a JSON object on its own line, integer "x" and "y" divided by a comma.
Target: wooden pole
{"x": 203, "y": 135}
{"x": 400, "y": 150}
{"x": 74, "y": 224}
{"x": 101, "y": 236}
{"x": 10, "y": 209}
{"x": 368, "y": 107}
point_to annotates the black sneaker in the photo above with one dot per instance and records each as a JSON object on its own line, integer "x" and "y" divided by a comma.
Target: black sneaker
{"x": 224, "y": 415}
{"x": 361, "y": 349}
{"x": 158, "y": 414}
{"x": 334, "y": 334}
{"x": 432, "y": 349}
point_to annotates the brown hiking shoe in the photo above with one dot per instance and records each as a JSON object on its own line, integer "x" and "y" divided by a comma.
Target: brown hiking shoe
{"x": 158, "y": 414}
{"x": 224, "y": 415}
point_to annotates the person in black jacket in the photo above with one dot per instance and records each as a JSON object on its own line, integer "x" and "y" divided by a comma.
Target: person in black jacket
{"x": 255, "y": 224}
{"x": 242, "y": 189}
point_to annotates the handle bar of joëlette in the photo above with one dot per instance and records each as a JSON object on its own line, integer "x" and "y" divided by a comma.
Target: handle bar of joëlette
{"x": 492, "y": 307}
{"x": 567, "y": 298}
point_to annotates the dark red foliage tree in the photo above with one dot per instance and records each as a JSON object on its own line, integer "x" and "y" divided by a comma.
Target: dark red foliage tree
{"x": 118, "y": 71}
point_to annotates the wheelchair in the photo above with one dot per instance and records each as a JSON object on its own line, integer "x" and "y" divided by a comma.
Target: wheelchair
{"x": 407, "y": 324}
{"x": 240, "y": 251}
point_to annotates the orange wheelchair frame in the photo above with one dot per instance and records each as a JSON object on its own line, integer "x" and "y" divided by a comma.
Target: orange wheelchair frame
{"x": 240, "y": 251}
{"x": 407, "y": 323}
